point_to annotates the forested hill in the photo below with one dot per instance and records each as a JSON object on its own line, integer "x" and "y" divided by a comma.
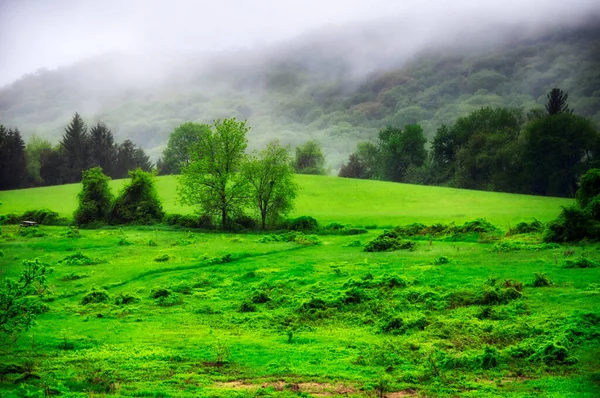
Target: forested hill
{"x": 336, "y": 92}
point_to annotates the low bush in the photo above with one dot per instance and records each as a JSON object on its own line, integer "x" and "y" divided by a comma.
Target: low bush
{"x": 125, "y": 242}
{"x": 31, "y": 232}
{"x": 43, "y": 216}
{"x": 73, "y": 277}
{"x": 260, "y": 298}
{"x": 162, "y": 258}
{"x": 138, "y": 201}
{"x": 126, "y": 299}
{"x": 441, "y": 260}
{"x": 581, "y": 262}
{"x": 303, "y": 223}
{"x": 72, "y": 233}
{"x": 170, "y": 300}
{"x": 182, "y": 287}
{"x": 297, "y": 237}
{"x": 78, "y": 259}
{"x": 159, "y": 292}
{"x": 152, "y": 243}
{"x": 533, "y": 227}
{"x": 388, "y": 241}
{"x": 95, "y": 297}
{"x": 573, "y": 224}
{"x": 541, "y": 280}
{"x": 247, "y": 307}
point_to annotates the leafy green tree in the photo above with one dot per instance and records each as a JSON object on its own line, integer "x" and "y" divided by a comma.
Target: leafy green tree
{"x": 353, "y": 169}
{"x": 589, "y": 187}
{"x": 33, "y": 152}
{"x": 211, "y": 180}
{"x": 13, "y": 162}
{"x": 557, "y": 151}
{"x": 479, "y": 151}
{"x": 76, "y": 145}
{"x": 271, "y": 181}
{"x": 181, "y": 140}
{"x": 103, "y": 149}
{"x": 94, "y": 199}
{"x": 309, "y": 159}
{"x": 400, "y": 149}
{"x": 19, "y": 300}
{"x": 557, "y": 102}
{"x": 138, "y": 201}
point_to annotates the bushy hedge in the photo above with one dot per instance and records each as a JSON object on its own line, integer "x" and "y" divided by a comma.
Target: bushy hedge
{"x": 138, "y": 201}
{"x": 94, "y": 199}
{"x": 189, "y": 221}
{"x": 303, "y": 224}
{"x": 581, "y": 221}
{"x": 42, "y": 216}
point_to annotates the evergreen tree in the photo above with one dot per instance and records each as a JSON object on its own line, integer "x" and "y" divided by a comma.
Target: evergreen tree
{"x": 103, "y": 149}
{"x": 53, "y": 166}
{"x": 129, "y": 158}
{"x": 76, "y": 145}
{"x": 13, "y": 163}
{"x": 557, "y": 102}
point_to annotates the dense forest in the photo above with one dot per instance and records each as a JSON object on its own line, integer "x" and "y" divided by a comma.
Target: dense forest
{"x": 310, "y": 89}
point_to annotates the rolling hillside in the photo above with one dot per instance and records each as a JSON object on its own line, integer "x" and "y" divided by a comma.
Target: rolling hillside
{"x": 336, "y": 87}
{"x": 328, "y": 199}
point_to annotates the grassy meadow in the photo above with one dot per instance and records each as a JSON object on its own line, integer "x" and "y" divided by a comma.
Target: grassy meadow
{"x": 159, "y": 312}
{"x": 329, "y": 199}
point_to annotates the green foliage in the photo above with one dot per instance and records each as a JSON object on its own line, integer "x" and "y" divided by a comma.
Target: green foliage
{"x": 126, "y": 299}
{"x": 138, "y": 201}
{"x": 20, "y": 300}
{"x": 589, "y": 188}
{"x": 95, "y": 198}
{"x": 181, "y": 141}
{"x": 303, "y": 223}
{"x": 389, "y": 241}
{"x": 95, "y": 296}
{"x": 162, "y": 258}
{"x": 573, "y": 224}
{"x": 541, "y": 280}
{"x": 78, "y": 259}
{"x": 212, "y": 180}
{"x": 271, "y": 182}
{"x": 309, "y": 159}
{"x": 160, "y": 292}
{"x": 523, "y": 227}
{"x": 189, "y": 221}
{"x": 398, "y": 150}
{"x": 581, "y": 262}
{"x": 42, "y": 216}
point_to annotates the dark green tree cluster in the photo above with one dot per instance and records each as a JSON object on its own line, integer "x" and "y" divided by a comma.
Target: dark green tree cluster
{"x": 396, "y": 153}
{"x": 40, "y": 163}
{"x": 495, "y": 149}
{"x": 224, "y": 182}
{"x": 309, "y": 159}
{"x": 137, "y": 202}
{"x": 582, "y": 220}
{"x": 13, "y": 163}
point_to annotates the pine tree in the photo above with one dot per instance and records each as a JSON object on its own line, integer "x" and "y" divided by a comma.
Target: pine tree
{"x": 76, "y": 145}
{"x": 557, "y": 102}
{"x": 13, "y": 163}
{"x": 103, "y": 149}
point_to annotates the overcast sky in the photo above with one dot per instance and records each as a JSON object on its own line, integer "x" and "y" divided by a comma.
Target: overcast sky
{"x": 52, "y": 33}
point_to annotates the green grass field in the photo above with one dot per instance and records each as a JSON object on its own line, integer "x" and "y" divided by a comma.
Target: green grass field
{"x": 328, "y": 199}
{"x": 188, "y": 314}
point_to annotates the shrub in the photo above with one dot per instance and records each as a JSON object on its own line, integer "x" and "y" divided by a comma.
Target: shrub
{"x": 541, "y": 280}
{"x": 126, "y": 299}
{"x": 72, "y": 233}
{"x": 170, "y": 300}
{"x": 441, "y": 260}
{"x": 526, "y": 228}
{"x": 138, "y": 202}
{"x": 159, "y": 292}
{"x": 162, "y": 258}
{"x": 182, "y": 287}
{"x": 303, "y": 223}
{"x": 394, "y": 326}
{"x": 260, "y": 298}
{"x": 31, "y": 233}
{"x": 78, "y": 259}
{"x": 354, "y": 243}
{"x": 94, "y": 199}
{"x": 152, "y": 243}
{"x": 242, "y": 222}
{"x": 43, "y": 216}
{"x": 247, "y": 307}
{"x": 388, "y": 241}
{"x": 589, "y": 187}
{"x": 124, "y": 242}
{"x": 573, "y": 224}
{"x": 95, "y": 296}
{"x": 189, "y": 221}
{"x": 581, "y": 262}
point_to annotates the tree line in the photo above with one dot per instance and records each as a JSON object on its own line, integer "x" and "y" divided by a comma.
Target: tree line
{"x": 544, "y": 152}
{"x": 216, "y": 176}
{"x": 39, "y": 163}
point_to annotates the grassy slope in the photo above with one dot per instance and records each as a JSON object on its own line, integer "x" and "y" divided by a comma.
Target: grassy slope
{"x": 328, "y": 199}
{"x": 148, "y": 350}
